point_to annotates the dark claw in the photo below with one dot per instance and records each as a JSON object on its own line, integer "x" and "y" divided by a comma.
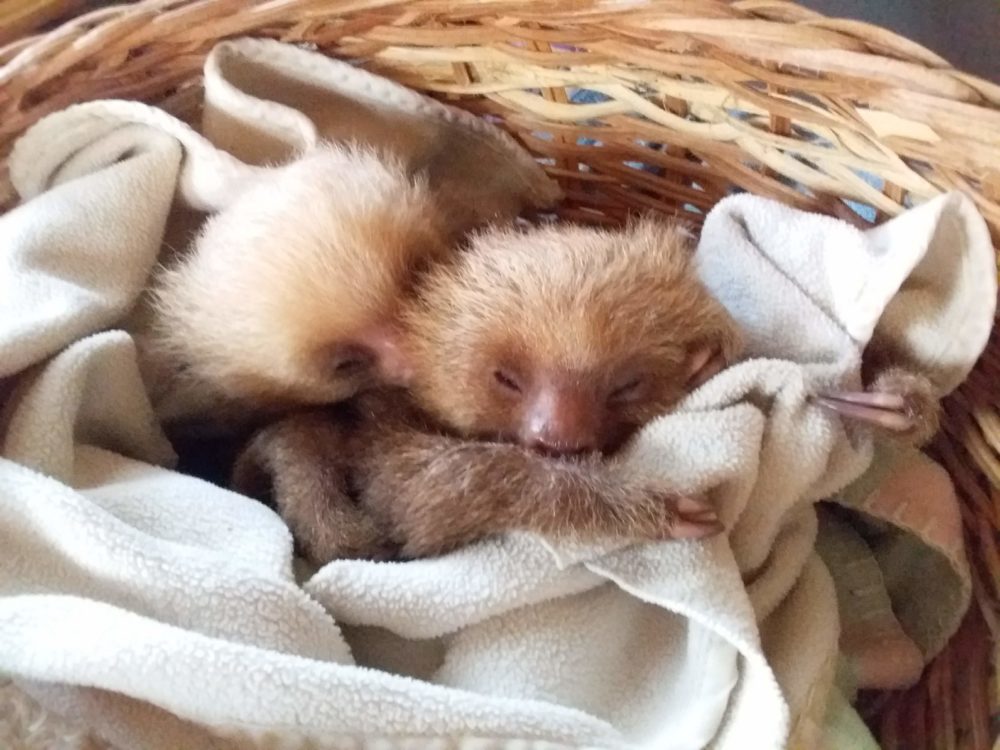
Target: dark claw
{"x": 887, "y": 411}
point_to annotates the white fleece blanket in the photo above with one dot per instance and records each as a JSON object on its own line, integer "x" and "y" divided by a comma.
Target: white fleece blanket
{"x": 166, "y": 612}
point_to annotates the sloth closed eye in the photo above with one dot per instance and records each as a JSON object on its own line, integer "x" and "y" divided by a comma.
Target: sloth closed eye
{"x": 507, "y": 381}
{"x": 350, "y": 365}
{"x": 352, "y": 359}
{"x": 626, "y": 391}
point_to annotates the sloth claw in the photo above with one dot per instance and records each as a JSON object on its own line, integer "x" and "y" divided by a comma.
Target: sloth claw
{"x": 883, "y": 410}
{"x": 899, "y": 402}
{"x": 694, "y": 519}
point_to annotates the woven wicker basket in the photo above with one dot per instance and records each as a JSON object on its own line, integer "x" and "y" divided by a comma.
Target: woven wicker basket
{"x": 829, "y": 115}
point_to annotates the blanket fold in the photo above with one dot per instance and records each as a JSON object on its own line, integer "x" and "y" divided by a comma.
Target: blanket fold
{"x": 165, "y": 612}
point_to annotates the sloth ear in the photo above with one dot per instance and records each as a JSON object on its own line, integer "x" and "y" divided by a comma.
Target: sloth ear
{"x": 702, "y": 363}
{"x": 376, "y": 352}
{"x": 391, "y": 363}
{"x": 713, "y": 352}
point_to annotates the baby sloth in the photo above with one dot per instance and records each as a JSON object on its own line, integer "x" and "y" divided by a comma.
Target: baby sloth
{"x": 286, "y": 296}
{"x": 533, "y": 356}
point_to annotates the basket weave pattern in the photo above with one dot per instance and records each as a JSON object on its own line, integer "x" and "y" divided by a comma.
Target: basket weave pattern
{"x": 667, "y": 105}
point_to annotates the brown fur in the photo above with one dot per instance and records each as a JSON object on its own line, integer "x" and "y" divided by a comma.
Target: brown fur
{"x": 883, "y": 372}
{"x": 286, "y": 296}
{"x": 921, "y": 405}
{"x": 572, "y": 314}
{"x": 391, "y": 485}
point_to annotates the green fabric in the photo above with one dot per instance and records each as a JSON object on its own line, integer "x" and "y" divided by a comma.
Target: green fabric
{"x": 929, "y": 586}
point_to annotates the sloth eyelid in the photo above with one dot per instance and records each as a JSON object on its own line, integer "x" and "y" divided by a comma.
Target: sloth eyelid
{"x": 625, "y": 390}
{"x": 506, "y": 381}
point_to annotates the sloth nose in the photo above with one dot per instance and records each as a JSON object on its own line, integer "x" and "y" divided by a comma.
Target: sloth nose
{"x": 562, "y": 422}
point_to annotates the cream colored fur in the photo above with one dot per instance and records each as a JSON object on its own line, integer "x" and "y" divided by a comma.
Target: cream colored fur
{"x": 298, "y": 264}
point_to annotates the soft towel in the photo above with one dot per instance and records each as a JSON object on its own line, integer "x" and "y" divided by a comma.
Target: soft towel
{"x": 166, "y": 612}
